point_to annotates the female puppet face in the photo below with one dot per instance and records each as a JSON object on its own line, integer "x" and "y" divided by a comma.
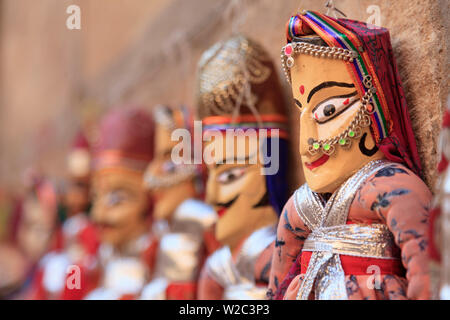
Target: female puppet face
{"x": 238, "y": 192}
{"x": 120, "y": 205}
{"x": 167, "y": 197}
{"x": 328, "y": 101}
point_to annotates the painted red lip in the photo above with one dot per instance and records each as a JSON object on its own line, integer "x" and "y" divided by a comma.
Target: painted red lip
{"x": 317, "y": 163}
{"x": 222, "y": 207}
{"x": 221, "y": 211}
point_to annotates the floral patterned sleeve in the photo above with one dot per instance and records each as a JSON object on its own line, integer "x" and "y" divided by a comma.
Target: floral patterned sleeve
{"x": 263, "y": 265}
{"x": 291, "y": 234}
{"x": 401, "y": 200}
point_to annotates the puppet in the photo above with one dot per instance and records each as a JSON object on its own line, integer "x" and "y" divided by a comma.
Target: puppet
{"x": 357, "y": 228}
{"x": 79, "y": 237}
{"x": 33, "y": 227}
{"x": 121, "y": 207}
{"x": 176, "y": 189}
{"x": 240, "y": 103}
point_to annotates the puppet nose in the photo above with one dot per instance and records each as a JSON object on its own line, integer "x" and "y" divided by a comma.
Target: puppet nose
{"x": 308, "y": 133}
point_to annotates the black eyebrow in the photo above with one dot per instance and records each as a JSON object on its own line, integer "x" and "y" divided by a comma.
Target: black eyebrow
{"x": 298, "y": 103}
{"x": 328, "y": 84}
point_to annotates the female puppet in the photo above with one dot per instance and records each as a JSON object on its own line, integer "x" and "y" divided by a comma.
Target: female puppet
{"x": 356, "y": 229}
{"x": 239, "y": 94}
{"x": 176, "y": 189}
{"x": 121, "y": 207}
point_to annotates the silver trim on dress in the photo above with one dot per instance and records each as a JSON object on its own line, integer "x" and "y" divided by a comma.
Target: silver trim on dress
{"x": 331, "y": 237}
{"x": 180, "y": 248}
{"x": 238, "y": 278}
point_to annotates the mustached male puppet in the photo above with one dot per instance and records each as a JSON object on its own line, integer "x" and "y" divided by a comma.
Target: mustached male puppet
{"x": 176, "y": 190}
{"x": 244, "y": 126}
{"x": 121, "y": 206}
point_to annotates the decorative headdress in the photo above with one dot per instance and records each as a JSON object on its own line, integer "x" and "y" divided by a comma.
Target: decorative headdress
{"x": 238, "y": 88}
{"x": 125, "y": 140}
{"x": 367, "y": 52}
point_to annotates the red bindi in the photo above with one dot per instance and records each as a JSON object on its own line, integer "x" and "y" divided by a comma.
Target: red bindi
{"x": 346, "y": 101}
{"x": 302, "y": 89}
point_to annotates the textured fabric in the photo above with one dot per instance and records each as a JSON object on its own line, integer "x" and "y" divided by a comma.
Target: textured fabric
{"x": 210, "y": 288}
{"x": 359, "y": 265}
{"x": 181, "y": 291}
{"x": 394, "y": 196}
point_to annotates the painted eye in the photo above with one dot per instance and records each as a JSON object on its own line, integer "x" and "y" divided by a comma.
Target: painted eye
{"x": 231, "y": 175}
{"x": 330, "y": 108}
{"x": 115, "y": 198}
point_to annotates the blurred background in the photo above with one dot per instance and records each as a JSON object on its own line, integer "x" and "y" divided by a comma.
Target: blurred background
{"x": 54, "y": 80}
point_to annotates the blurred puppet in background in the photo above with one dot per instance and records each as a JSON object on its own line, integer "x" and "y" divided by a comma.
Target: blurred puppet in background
{"x": 177, "y": 190}
{"x": 439, "y": 234}
{"x": 239, "y": 93}
{"x": 122, "y": 210}
{"x": 56, "y": 277}
{"x": 33, "y": 228}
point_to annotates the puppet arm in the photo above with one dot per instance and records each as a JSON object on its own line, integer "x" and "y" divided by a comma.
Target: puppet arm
{"x": 291, "y": 234}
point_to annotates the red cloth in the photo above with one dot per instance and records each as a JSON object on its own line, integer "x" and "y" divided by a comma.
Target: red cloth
{"x": 446, "y": 119}
{"x": 150, "y": 253}
{"x": 88, "y": 282}
{"x": 181, "y": 291}
{"x": 433, "y": 251}
{"x": 359, "y": 265}
{"x": 400, "y": 146}
{"x": 88, "y": 237}
{"x": 38, "y": 291}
